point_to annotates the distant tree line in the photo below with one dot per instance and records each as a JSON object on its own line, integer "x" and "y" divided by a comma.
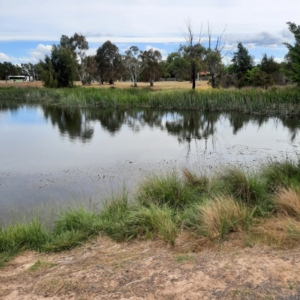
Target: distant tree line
{"x": 30, "y": 70}
{"x": 69, "y": 61}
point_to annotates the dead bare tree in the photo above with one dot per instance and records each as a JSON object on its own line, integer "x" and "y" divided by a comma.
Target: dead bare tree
{"x": 133, "y": 63}
{"x": 214, "y": 55}
{"x": 194, "y": 51}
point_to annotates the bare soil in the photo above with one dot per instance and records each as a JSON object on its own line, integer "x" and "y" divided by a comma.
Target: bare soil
{"x": 162, "y": 85}
{"x": 192, "y": 269}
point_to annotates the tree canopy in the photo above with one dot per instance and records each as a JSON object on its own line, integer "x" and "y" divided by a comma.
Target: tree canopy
{"x": 109, "y": 61}
{"x": 58, "y": 69}
{"x": 242, "y": 60}
{"x": 294, "y": 54}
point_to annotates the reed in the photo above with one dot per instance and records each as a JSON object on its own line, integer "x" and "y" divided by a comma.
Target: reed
{"x": 274, "y": 101}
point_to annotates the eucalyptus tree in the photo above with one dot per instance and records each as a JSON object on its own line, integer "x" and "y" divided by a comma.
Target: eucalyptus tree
{"x": 30, "y": 70}
{"x": 7, "y": 68}
{"x": 78, "y": 45}
{"x": 151, "y": 59}
{"x": 293, "y": 55}
{"x": 178, "y": 65}
{"x": 109, "y": 62}
{"x": 91, "y": 67}
{"x": 133, "y": 63}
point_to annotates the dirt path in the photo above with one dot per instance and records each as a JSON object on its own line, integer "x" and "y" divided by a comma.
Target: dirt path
{"x": 104, "y": 269}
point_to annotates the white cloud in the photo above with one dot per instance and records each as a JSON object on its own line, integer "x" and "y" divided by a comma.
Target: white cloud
{"x": 4, "y": 57}
{"x": 39, "y": 53}
{"x": 153, "y": 21}
{"x": 34, "y": 56}
{"x": 139, "y": 19}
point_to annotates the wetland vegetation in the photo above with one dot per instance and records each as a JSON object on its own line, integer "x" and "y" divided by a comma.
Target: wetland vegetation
{"x": 262, "y": 204}
{"x": 280, "y": 101}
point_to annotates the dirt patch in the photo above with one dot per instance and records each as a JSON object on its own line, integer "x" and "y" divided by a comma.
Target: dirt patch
{"x": 200, "y": 269}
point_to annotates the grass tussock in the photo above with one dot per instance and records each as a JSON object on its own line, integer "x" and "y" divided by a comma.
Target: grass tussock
{"x": 169, "y": 190}
{"x": 221, "y": 215}
{"x": 287, "y": 202}
{"x": 280, "y": 174}
{"x": 263, "y": 205}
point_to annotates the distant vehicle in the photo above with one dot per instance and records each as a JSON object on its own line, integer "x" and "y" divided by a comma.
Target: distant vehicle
{"x": 18, "y": 78}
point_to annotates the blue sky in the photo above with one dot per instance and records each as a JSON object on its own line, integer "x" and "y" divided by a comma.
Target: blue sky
{"x": 29, "y": 28}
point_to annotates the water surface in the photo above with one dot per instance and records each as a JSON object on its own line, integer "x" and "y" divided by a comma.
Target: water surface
{"x": 53, "y": 155}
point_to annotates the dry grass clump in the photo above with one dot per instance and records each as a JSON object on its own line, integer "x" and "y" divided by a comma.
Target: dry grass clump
{"x": 201, "y": 182}
{"x": 287, "y": 202}
{"x": 222, "y": 215}
{"x": 280, "y": 231}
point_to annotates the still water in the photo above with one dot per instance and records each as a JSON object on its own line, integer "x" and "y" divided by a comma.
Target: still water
{"x": 53, "y": 155}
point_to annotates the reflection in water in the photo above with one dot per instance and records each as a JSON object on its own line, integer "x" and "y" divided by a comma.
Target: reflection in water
{"x": 192, "y": 125}
{"x": 69, "y": 121}
{"x": 185, "y": 125}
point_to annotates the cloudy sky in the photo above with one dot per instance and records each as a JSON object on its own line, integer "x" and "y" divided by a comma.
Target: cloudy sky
{"x": 28, "y": 28}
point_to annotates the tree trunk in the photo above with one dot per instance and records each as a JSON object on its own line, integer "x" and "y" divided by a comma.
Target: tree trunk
{"x": 213, "y": 80}
{"x": 193, "y": 78}
{"x": 151, "y": 82}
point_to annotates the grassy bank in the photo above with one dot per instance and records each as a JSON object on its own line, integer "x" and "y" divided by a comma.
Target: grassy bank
{"x": 263, "y": 205}
{"x": 274, "y": 101}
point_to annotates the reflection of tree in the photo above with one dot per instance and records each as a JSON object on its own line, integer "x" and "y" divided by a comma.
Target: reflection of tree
{"x": 151, "y": 118}
{"x": 113, "y": 119}
{"x": 238, "y": 120}
{"x": 69, "y": 121}
{"x": 293, "y": 126}
{"x": 110, "y": 119}
{"x": 185, "y": 125}
{"x": 9, "y": 106}
{"x": 192, "y": 125}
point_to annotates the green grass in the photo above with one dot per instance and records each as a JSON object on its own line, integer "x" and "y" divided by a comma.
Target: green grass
{"x": 169, "y": 190}
{"x": 275, "y": 101}
{"x": 247, "y": 187}
{"x": 230, "y": 201}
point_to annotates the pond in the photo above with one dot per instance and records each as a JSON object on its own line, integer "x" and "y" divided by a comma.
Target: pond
{"x": 50, "y": 154}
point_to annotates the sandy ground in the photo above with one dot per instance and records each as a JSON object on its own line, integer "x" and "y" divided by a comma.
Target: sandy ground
{"x": 103, "y": 269}
{"x": 162, "y": 85}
